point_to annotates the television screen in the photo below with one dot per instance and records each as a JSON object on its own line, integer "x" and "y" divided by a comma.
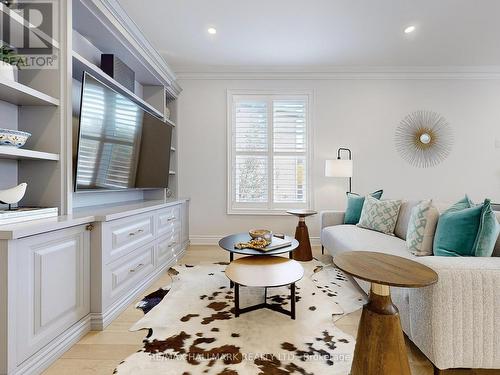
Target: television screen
{"x": 120, "y": 145}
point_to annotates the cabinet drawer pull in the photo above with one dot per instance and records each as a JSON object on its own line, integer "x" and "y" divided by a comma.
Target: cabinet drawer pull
{"x": 172, "y": 244}
{"x": 138, "y": 231}
{"x": 139, "y": 266}
{"x": 171, "y": 218}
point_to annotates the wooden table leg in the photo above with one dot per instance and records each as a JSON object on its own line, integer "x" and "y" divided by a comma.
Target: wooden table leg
{"x": 302, "y": 253}
{"x": 380, "y": 346}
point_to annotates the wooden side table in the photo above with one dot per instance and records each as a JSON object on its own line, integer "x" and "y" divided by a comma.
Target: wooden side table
{"x": 303, "y": 252}
{"x": 380, "y": 346}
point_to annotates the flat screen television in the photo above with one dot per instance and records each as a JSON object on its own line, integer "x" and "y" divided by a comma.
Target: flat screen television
{"x": 120, "y": 145}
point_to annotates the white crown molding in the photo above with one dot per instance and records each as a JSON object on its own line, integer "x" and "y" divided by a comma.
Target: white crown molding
{"x": 210, "y": 239}
{"x": 336, "y": 73}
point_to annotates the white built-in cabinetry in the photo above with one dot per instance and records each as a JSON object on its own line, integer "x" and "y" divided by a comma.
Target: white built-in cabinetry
{"x": 60, "y": 277}
{"x": 57, "y": 285}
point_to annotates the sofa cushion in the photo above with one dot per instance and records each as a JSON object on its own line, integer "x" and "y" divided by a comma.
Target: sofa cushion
{"x": 380, "y": 216}
{"x": 457, "y": 229}
{"x": 342, "y": 238}
{"x": 421, "y": 228}
{"x": 487, "y": 234}
{"x": 404, "y": 218}
{"x": 355, "y": 205}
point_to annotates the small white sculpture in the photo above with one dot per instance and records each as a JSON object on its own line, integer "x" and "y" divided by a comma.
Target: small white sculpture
{"x": 13, "y": 195}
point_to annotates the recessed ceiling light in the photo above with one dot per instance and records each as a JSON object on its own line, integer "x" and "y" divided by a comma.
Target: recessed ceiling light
{"x": 212, "y": 30}
{"x": 410, "y": 29}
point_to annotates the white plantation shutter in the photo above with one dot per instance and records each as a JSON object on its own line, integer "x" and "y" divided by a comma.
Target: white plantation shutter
{"x": 290, "y": 148}
{"x": 269, "y": 152}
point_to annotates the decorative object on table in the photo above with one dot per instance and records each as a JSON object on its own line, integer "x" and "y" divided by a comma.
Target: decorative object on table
{"x": 263, "y": 245}
{"x": 355, "y": 206}
{"x": 21, "y": 214}
{"x": 210, "y": 315}
{"x": 380, "y": 216}
{"x": 227, "y": 243}
{"x": 466, "y": 229}
{"x": 340, "y": 167}
{"x": 421, "y": 228}
{"x": 424, "y": 138}
{"x": 303, "y": 252}
{"x": 10, "y": 63}
{"x": 13, "y": 195}
{"x": 16, "y": 138}
{"x": 261, "y": 233}
{"x": 118, "y": 70}
{"x": 380, "y": 345}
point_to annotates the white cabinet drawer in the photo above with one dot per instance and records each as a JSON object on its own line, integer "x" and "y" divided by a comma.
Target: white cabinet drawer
{"x": 168, "y": 220}
{"x": 132, "y": 267}
{"x": 129, "y": 234}
{"x": 166, "y": 250}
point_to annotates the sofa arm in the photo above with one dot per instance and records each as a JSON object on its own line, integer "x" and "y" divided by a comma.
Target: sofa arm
{"x": 455, "y": 322}
{"x": 329, "y": 218}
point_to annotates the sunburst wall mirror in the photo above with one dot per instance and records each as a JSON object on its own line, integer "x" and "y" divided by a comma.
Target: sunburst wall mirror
{"x": 424, "y": 139}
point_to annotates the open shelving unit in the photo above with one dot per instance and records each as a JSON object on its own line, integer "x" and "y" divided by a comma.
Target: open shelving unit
{"x": 95, "y": 32}
{"x": 80, "y": 65}
{"x": 14, "y": 153}
{"x": 16, "y": 93}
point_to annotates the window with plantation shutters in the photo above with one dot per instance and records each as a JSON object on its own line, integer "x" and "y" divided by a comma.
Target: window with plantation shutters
{"x": 268, "y": 152}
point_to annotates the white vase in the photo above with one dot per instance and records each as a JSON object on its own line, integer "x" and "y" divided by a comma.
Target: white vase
{"x": 8, "y": 71}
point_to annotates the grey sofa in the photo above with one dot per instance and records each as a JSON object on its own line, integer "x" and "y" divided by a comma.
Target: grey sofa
{"x": 456, "y": 322}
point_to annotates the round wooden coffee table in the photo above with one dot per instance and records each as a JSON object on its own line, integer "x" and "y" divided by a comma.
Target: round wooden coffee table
{"x": 303, "y": 252}
{"x": 380, "y": 346}
{"x": 267, "y": 272}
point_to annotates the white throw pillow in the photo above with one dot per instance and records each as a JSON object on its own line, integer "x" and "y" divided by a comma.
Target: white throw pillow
{"x": 421, "y": 228}
{"x": 380, "y": 216}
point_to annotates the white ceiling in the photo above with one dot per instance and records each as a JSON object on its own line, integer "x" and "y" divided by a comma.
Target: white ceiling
{"x": 319, "y": 33}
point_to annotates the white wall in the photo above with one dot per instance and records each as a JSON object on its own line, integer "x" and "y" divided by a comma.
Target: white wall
{"x": 360, "y": 114}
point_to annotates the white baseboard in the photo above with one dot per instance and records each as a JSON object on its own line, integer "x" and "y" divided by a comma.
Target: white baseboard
{"x": 210, "y": 239}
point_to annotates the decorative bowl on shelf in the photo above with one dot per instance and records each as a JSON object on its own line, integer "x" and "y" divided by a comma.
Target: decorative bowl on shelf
{"x": 16, "y": 138}
{"x": 261, "y": 233}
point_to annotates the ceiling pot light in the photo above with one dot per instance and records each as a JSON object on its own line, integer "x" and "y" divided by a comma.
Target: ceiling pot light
{"x": 212, "y": 30}
{"x": 410, "y": 29}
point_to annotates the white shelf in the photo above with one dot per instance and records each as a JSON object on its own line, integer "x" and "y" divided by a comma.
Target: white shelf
{"x": 81, "y": 64}
{"x": 19, "y": 94}
{"x": 11, "y": 152}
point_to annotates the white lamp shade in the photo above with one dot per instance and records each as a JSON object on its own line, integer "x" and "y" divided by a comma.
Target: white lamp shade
{"x": 338, "y": 168}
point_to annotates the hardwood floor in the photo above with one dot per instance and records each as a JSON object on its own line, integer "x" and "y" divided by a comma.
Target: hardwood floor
{"x": 99, "y": 352}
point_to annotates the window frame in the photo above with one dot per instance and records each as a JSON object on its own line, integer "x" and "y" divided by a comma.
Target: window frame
{"x": 269, "y": 207}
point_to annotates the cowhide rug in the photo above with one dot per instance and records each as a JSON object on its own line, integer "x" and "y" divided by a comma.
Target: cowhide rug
{"x": 193, "y": 329}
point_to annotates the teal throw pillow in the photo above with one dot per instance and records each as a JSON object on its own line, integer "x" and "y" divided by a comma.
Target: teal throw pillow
{"x": 457, "y": 229}
{"x": 355, "y": 206}
{"x": 487, "y": 235}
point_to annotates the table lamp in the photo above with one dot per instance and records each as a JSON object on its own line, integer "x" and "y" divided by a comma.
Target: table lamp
{"x": 340, "y": 167}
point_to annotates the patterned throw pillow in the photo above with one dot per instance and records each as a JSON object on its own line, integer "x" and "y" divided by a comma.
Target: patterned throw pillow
{"x": 421, "y": 228}
{"x": 380, "y": 216}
